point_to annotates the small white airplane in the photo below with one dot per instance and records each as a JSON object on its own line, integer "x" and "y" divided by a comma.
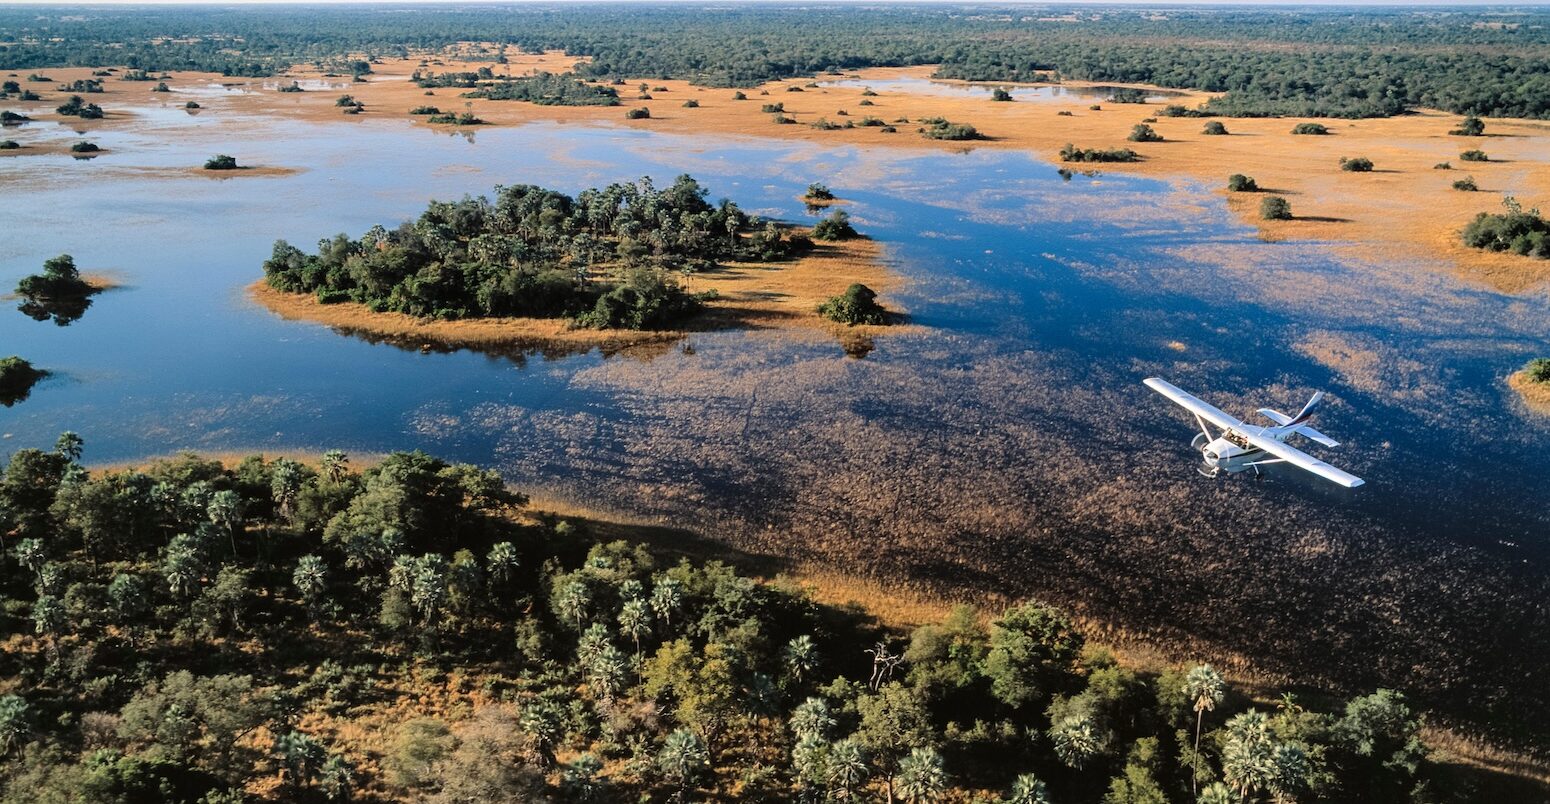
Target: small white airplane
{"x": 1246, "y": 446}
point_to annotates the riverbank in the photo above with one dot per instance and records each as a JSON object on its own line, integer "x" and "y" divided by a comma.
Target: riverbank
{"x": 1535, "y": 395}
{"x": 780, "y": 296}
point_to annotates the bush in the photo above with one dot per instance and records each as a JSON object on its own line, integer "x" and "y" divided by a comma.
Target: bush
{"x": 1095, "y": 108}
{"x": 78, "y": 107}
{"x": 1064, "y": 113}
{"x": 938, "y": 128}
{"x": 1474, "y": 155}
{"x": 9, "y": 145}
{"x": 784, "y": 120}
{"x": 638, "y": 114}
{"x": 1144, "y": 133}
{"x": 739, "y": 96}
{"x": 1214, "y": 127}
{"x": 823, "y": 124}
{"x": 1471, "y": 127}
{"x": 17, "y": 376}
{"x": 1310, "y": 128}
{"x": 9, "y": 117}
{"x": 819, "y": 192}
{"x": 425, "y": 110}
{"x": 773, "y": 108}
{"x": 84, "y": 147}
{"x": 857, "y": 305}
{"x": 691, "y": 104}
{"x": 1443, "y": 166}
{"x": 345, "y": 100}
{"x": 221, "y": 162}
{"x": 1466, "y": 184}
{"x": 1239, "y": 183}
{"x": 60, "y": 279}
{"x": 1538, "y": 370}
{"x": 1517, "y": 230}
{"x": 1001, "y": 95}
{"x": 866, "y": 102}
{"x": 1358, "y": 164}
{"x": 1071, "y": 153}
{"x": 292, "y": 87}
{"x": 835, "y": 227}
{"x": 161, "y": 87}
{"x": 192, "y": 105}
{"x": 1275, "y": 208}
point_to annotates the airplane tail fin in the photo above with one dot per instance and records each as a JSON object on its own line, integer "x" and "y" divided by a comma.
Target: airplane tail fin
{"x": 1307, "y": 410}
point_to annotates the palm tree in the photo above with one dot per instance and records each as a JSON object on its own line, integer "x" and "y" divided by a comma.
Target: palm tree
{"x": 810, "y": 765}
{"x": 335, "y": 464}
{"x": 922, "y": 777}
{"x": 682, "y": 760}
{"x": 1205, "y": 687}
{"x": 800, "y": 657}
{"x": 502, "y": 561}
{"x": 635, "y": 621}
{"x": 666, "y": 599}
{"x": 337, "y": 778}
{"x": 1027, "y": 789}
{"x": 301, "y": 756}
{"x": 811, "y": 718}
{"x": 225, "y": 512}
{"x": 69, "y": 444}
{"x": 31, "y": 554}
{"x": 571, "y": 602}
{"x": 1076, "y": 741}
{"x": 1216, "y": 793}
{"x": 14, "y": 714}
{"x": 1248, "y": 755}
{"x": 310, "y": 578}
{"x": 848, "y": 770}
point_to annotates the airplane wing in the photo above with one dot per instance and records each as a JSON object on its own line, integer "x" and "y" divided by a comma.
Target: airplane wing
{"x": 1192, "y": 404}
{"x": 1309, "y": 432}
{"x": 1276, "y": 416}
{"x": 1303, "y": 460}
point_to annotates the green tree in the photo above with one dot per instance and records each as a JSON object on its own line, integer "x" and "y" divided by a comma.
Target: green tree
{"x": 682, "y": 761}
{"x": 310, "y": 579}
{"x": 1027, "y": 789}
{"x": 1032, "y": 650}
{"x": 812, "y": 718}
{"x": 1275, "y": 208}
{"x": 848, "y": 769}
{"x": 1248, "y": 754}
{"x": 800, "y": 658}
{"x": 1205, "y": 689}
{"x": 15, "y": 727}
{"x": 1077, "y": 741}
{"x": 301, "y": 756}
{"x": 922, "y": 777}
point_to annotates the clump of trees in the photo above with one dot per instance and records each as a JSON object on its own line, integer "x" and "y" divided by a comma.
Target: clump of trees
{"x": 1466, "y": 184}
{"x": 1471, "y": 127}
{"x": 291, "y": 87}
{"x": 857, "y": 305}
{"x": 1142, "y": 132}
{"x": 1214, "y": 128}
{"x": 78, "y": 107}
{"x": 84, "y": 147}
{"x": 9, "y": 145}
{"x": 1239, "y": 183}
{"x": 58, "y": 293}
{"x": 641, "y": 113}
{"x": 266, "y": 603}
{"x": 17, "y": 376}
{"x": 221, "y": 162}
{"x": 1518, "y": 230}
{"x": 548, "y": 89}
{"x": 1538, "y": 370}
{"x": 1356, "y": 164}
{"x": 835, "y": 227}
{"x": 940, "y": 128}
{"x": 1310, "y": 128}
{"x": 1000, "y": 95}
{"x": 1474, "y": 155}
{"x": 818, "y": 191}
{"x": 1275, "y": 208}
{"x": 192, "y": 105}
{"x": 1071, "y": 153}
{"x": 10, "y": 118}
{"x": 462, "y": 119}
{"x": 603, "y": 257}
{"x": 691, "y": 104}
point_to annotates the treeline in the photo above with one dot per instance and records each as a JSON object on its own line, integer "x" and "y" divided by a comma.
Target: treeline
{"x": 548, "y": 89}
{"x": 1329, "y": 62}
{"x": 193, "y": 631}
{"x": 603, "y": 256}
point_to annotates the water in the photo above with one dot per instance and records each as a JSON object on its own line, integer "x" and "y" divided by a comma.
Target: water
{"x": 1036, "y": 94}
{"x": 1008, "y": 447}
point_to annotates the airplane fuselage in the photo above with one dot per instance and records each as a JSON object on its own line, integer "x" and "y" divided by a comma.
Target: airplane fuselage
{"x": 1232, "y": 453}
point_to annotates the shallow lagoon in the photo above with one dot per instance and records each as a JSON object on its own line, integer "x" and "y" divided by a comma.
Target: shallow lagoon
{"x": 1011, "y": 447}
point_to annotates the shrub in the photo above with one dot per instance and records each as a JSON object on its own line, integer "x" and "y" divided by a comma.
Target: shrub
{"x": 9, "y": 117}
{"x": 1310, "y": 128}
{"x": 1275, "y": 208}
{"x": 345, "y": 100}
{"x": 9, "y": 145}
{"x": 221, "y": 162}
{"x": 866, "y": 102}
{"x": 425, "y": 110}
{"x": 161, "y": 87}
{"x": 1474, "y": 155}
{"x": 292, "y": 87}
{"x": 78, "y": 107}
{"x": 84, "y": 147}
{"x": 823, "y": 124}
{"x": 1071, "y": 153}
{"x": 1466, "y": 184}
{"x": 773, "y": 108}
{"x": 1095, "y": 108}
{"x": 1214, "y": 127}
{"x": 1517, "y": 230}
{"x": 739, "y": 96}
{"x": 1001, "y": 95}
{"x": 1538, "y": 370}
{"x": 192, "y": 105}
{"x": 867, "y": 93}
{"x": 857, "y": 305}
{"x": 819, "y": 192}
{"x": 1358, "y": 164}
{"x": 1064, "y": 113}
{"x": 793, "y": 89}
{"x": 1239, "y": 183}
{"x": 871, "y": 121}
{"x": 1443, "y": 166}
{"x": 784, "y": 120}
{"x": 835, "y": 227}
{"x": 1144, "y": 133}
{"x": 17, "y": 376}
{"x": 1471, "y": 127}
{"x": 938, "y": 128}
{"x": 691, "y": 104}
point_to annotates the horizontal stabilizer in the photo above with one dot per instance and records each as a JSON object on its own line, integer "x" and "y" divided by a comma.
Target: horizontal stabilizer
{"x": 1275, "y": 415}
{"x": 1315, "y": 435}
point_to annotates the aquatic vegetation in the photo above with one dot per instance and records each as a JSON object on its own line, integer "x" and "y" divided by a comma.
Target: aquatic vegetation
{"x": 857, "y": 305}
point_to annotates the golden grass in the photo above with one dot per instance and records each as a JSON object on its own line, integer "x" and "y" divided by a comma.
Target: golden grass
{"x": 761, "y": 296}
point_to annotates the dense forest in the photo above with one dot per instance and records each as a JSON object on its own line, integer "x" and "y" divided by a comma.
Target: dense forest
{"x": 1334, "y": 62}
{"x": 604, "y": 257}
{"x": 198, "y": 631}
